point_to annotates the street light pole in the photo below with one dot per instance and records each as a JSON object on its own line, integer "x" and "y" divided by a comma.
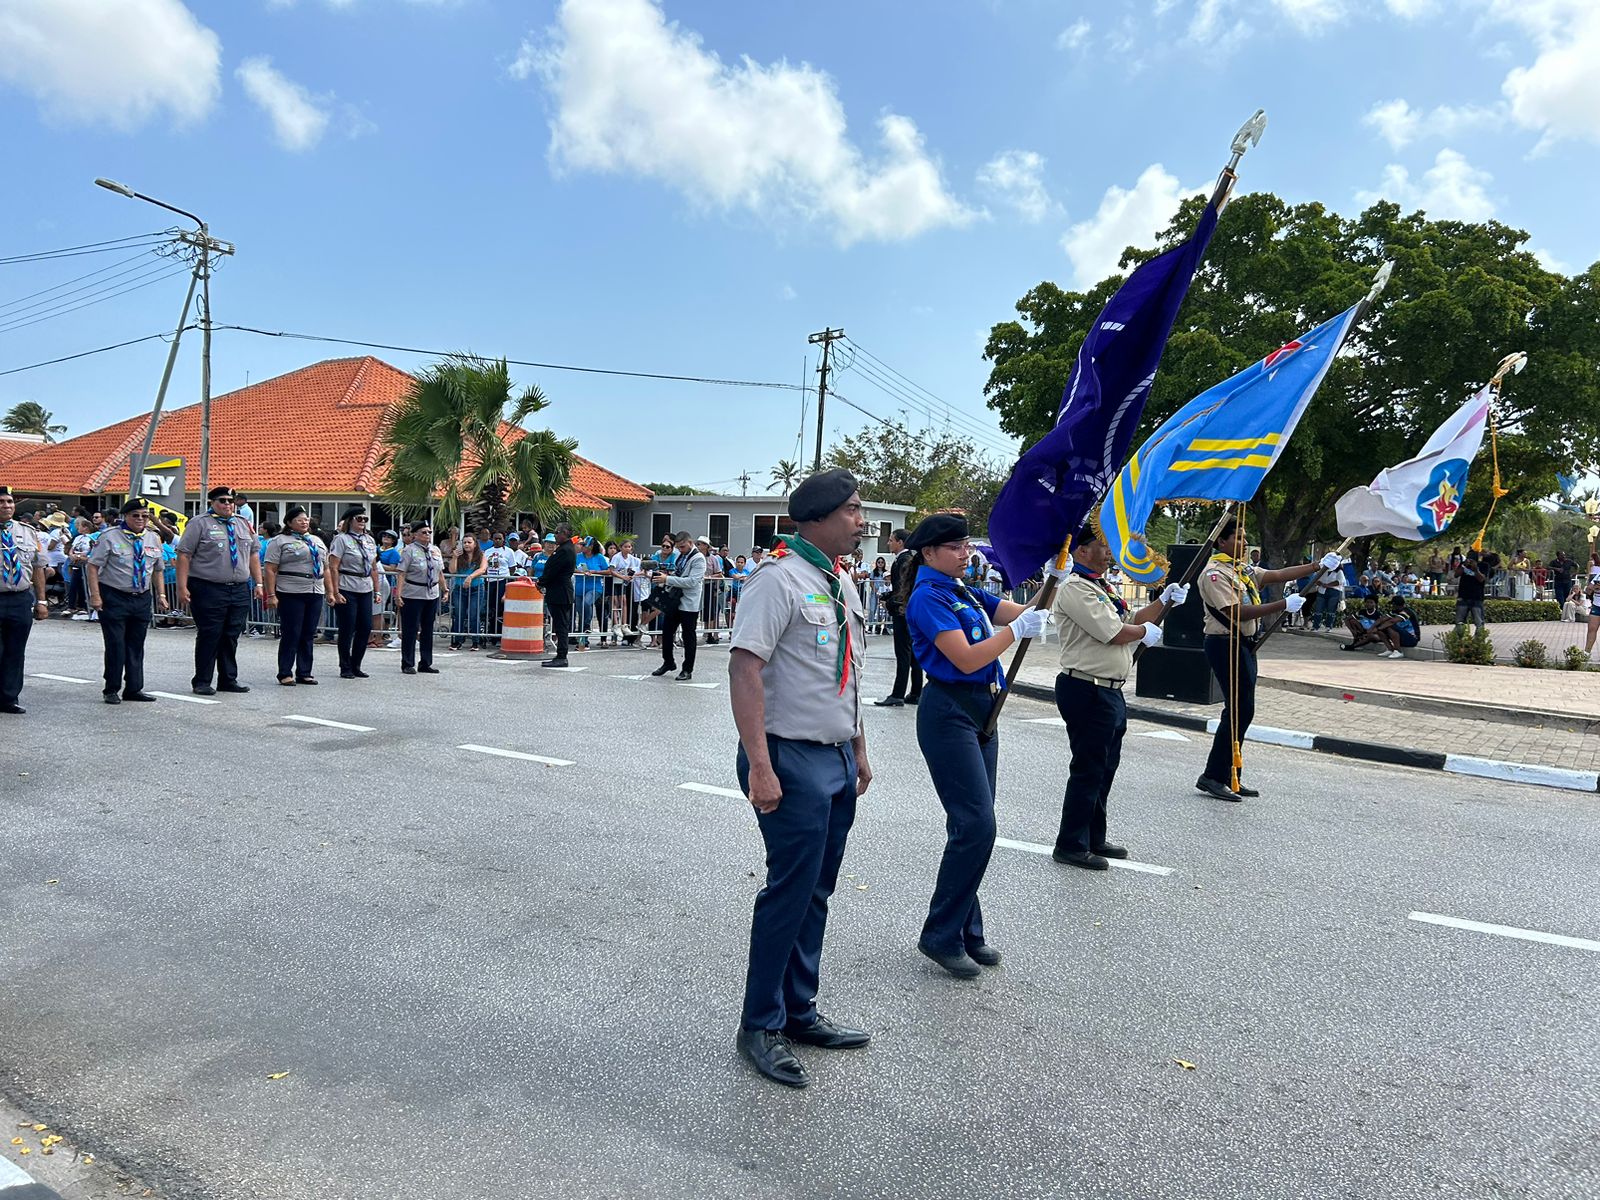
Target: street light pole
{"x": 207, "y": 245}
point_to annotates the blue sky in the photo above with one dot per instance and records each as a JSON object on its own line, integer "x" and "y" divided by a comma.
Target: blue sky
{"x": 693, "y": 186}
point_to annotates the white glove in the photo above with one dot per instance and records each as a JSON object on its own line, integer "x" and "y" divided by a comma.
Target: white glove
{"x": 1293, "y": 603}
{"x": 1030, "y": 624}
{"x": 1175, "y": 594}
{"x": 1151, "y": 635}
{"x": 1330, "y": 561}
{"x": 1057, "y": 573}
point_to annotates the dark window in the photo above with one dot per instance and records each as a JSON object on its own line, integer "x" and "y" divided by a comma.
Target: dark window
{"x": 624, "y": 518}
{"x": 718, "y": 533}
{"x": 660, "y": 527}
{"x": 771, "y": 527}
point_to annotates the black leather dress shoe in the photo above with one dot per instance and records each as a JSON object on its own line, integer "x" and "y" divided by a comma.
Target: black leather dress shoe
{"x": 347, "y": 674}
{"x": 665, "y": 669}
{"x": 1220, "y": 790}
{"x": 204, "y": 689}
{"x": 984, "y": 955}
{"x": 828, "y": 1035}
{"x": 684, "y": 676}
{"x": 913, "y": 700}
{"x": 1247, "y": 792}
{"x": 408, "y": 670}
{"x": 140, "y": 697}
{"x": 233, "y": 687}
{"x": 112, "y": 697}
{"x": 769, "y": 1052}
{"x": 360, "y": 674}
{"x": 430, "y": 670}
{"x": 1086, "y": 859}
{"x": 1109, "y": 850}
{"x": 308, "y": 680}
{"x": 554, "y": 662}
{"x": 890, "y": 702}
{"x": 960, "y": 964}
{"x": 16, "y": 710}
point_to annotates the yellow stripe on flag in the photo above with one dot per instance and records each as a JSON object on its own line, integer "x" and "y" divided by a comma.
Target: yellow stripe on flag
{"x": 1270, "y": 439}
{"x": 1207, "y": 464}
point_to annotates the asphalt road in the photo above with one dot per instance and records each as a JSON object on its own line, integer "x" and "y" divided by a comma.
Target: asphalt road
{"x": 493, "y": 977}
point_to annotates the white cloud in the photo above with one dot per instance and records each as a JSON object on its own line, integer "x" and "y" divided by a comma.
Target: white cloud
{"x": 1014, "y": 177}
{"x": 787, "y": 292}
{"x": 1549, "y": 261}
{"x": 1559, "y": 94}
{"x": 298, "y": 120}
{"x": 1126, "y": 217}
{"x": 89, "y": 61}
{"x": 1410, "y": 10}
{"x": 633, "y": 93}
{"x": 1451, "y": 189}
{"x": 1223, "y": 24}
{"x": 1074, "y": 36}
{"x": 1399, "y": 124}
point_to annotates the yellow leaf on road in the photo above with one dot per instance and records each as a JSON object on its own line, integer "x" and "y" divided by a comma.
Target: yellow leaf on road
{"x": 24, "y": 1150}
{"x": 279, "y": 1075}
{"x": 1187, "y": 1066}
{"x": 16, "y": 1141}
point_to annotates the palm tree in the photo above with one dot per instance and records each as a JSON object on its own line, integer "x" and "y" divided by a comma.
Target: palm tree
{"x": 786, "y": 474}
{"x": 30, "y": 417}
{"x": 455, "y": 439}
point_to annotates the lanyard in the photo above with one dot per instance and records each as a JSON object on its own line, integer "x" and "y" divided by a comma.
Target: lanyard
{"x": 233, "y": 541}
{"x": 9, "y": 557}
{"x": 137, "y": 546}
{"x": 311, "y": 547}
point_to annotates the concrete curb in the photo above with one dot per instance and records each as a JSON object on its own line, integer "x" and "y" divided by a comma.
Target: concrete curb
{"x": 17, "y": 1184}
{"x": 1403, "y": 756}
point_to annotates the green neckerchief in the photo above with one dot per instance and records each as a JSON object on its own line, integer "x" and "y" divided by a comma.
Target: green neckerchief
{"x": 826, "y": 565}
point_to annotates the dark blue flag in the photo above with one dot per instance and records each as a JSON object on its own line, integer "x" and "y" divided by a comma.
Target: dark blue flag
{"x": 1062, "y": 476}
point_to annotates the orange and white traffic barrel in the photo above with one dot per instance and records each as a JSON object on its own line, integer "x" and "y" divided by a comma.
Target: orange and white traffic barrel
{"x": 522, "y": 629}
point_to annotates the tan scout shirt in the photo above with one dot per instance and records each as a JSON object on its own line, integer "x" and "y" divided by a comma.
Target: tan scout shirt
{"x": 786, "y": 619}
{"x": 1087, "y": 619}
{"x": 113, "y": 555}
{"x": 205, "y": 541}
{"x": 1222, "y": 585}
{"x": 29, "y": 557}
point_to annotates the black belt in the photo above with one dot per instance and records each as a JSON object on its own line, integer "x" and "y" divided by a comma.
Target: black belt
{"x": 300, "y": 574}
{"x": 342, "y": 571}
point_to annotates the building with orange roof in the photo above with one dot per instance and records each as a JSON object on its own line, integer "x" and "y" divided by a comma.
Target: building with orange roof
{"x": 313, "y": 437}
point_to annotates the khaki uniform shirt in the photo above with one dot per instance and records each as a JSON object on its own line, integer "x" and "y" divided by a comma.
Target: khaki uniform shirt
{"x": 786, "y": 619}
{"x": 28, "y": 557}
{"x": 1222, "y": 585}
{"x": 1087, "y": 620}
{"x": 414, "y": 570}
{"x": 300, "y": 563}
{"x": 113, "y": 558}
{"x": 356, "y": 554}
{"x": 205, "y": 541}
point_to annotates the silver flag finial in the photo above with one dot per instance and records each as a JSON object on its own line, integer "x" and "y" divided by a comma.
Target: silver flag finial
{"x": 1511, "y": 364}
{"x": 1250, "y": 133}
{"x": 1380, "y": 280}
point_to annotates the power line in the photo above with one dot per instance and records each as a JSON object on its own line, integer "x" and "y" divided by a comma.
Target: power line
{"x": 517, "y": 362}
{"x": 50, "y": 316}
{"x": 952, "y": 412}
{"x": 970, "y": 429}
{"x": 88, "y": 248}
{"x": 50, "y": 362}
{"x": 144, "y": 263}
{"x": 76, "y": 278}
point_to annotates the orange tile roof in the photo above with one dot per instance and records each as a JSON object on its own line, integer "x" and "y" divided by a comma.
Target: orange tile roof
{"x": 316, "y": 431}
{"x": 11, "y": 447}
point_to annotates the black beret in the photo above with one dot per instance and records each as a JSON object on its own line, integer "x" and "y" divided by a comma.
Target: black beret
{"x": 293, "y": 511}
{"x": 4, "y": 490}
{"x": 937, "y": 530}
{"x": 220, "y": 493}
{"x": 352, "y": 512}
{"x": 819, "y": 494}
{"x": 135, "y": 505}
{"x": 417, "y": 525}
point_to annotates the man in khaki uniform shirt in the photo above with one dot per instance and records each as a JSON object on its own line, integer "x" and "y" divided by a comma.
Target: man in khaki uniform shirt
{"x": 22, "y": 570}
{"x": 794, "y": 679}
{"x": 1098, "y": 636}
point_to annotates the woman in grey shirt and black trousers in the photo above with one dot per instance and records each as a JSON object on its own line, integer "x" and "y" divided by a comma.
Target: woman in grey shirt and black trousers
{"x": 296, "y": 566}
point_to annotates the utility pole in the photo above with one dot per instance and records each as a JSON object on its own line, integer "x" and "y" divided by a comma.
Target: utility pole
{"x": 744, "y": 484}
{"x": 827, "y": 337}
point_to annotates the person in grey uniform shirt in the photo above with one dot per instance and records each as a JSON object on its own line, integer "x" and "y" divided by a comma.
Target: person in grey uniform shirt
{"x": 421, "y": 569}
{"x": 794, "y": 680}
{"x": 219, "y": 572}
{"x": 296, "y": 567}
{"x": 22, "y": 568}
{"x": 124, "y": 572}
{"x": 353, "y": 582}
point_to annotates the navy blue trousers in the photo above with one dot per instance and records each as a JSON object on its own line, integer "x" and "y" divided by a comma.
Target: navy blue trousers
{"x": 805, "y": 837}
{"x": 124, "y": 622}
{"x": 300, "y": 613}
{"x": 16, "y": 623}
{"x": 963, "y": 770}
{"x": 1097, "y": 719}
{"x": 1219, "y": 653}
{"x": 220, "y": 611}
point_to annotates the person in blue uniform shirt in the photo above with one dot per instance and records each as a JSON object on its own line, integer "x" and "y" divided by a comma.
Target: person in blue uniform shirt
{"x": 958, "y": 634}
{"x": 794, "y": 682}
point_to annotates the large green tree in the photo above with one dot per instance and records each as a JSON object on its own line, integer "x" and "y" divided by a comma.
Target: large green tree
{"x": 458, "y": 439}
{"x": 930, "y": 469}
{"x": 1462, "y": 295}
{"x": 29, "y": 416}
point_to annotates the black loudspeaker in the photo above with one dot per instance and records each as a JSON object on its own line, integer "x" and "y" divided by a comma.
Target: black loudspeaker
{"x": 1176, "y": 673}
{"x": 1182, "y": 626}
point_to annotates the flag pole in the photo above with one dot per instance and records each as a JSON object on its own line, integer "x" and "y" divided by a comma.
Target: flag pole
{"x": 1193, "y": 569}
{"x": 1512, "y": 363}
{"x": 1249, "y": 135}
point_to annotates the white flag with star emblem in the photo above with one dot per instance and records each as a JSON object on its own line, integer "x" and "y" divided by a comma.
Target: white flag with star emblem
{"x": 1418, "y": 499}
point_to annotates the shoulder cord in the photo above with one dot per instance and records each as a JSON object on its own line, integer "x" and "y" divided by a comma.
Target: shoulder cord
{"x": 1235, "y": 648}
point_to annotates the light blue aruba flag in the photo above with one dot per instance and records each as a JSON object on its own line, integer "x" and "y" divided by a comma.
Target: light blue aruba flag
{"x": 1221, "y": 444}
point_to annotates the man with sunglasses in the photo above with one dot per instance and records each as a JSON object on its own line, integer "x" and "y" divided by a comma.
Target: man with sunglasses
{"x": 124, "y": 573}
{"x": 219, "y": 573}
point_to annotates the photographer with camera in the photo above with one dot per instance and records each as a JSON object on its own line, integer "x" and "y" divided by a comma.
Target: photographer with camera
{"x": 686, "y": 584}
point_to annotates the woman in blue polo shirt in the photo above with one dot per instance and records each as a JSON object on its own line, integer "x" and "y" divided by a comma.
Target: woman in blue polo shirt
{"x": 958, "y": 635}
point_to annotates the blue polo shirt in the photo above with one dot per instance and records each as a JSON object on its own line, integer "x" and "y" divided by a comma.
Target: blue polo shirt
{"x": 939, "y": 603}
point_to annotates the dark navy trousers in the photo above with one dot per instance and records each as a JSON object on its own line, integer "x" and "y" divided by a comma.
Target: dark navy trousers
{"x": 1097, "y": 719}
{"x": 16, "y": 623}
{"x": 805, "y": 837}
{"x": 963, "y": 767}
{"x": 1220, "y": 654}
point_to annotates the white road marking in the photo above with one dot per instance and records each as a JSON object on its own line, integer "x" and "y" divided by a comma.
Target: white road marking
{"x": 185, "y": 699}
{"x": 1122, "y": 864}
{"x": 1165, "y": 735}
{"x": 1041, "y": 720}
{"x": 538, "y": 758}
{"x": 697, "y": 685}
{"x": 13, "y": 1176}
{"x": 708, "y": 789}
{"x": 61, "y": 678}
{"x": 330, "y": 724}
{"x": 1509, "y": 931}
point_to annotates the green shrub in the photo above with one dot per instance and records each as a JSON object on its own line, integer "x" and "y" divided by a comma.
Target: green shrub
{"x": 1470, "y": 645}
{"x": 1576, "y": 659}
{"x": 1441, "y": 610}
{"x": 1531, "y": 653}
